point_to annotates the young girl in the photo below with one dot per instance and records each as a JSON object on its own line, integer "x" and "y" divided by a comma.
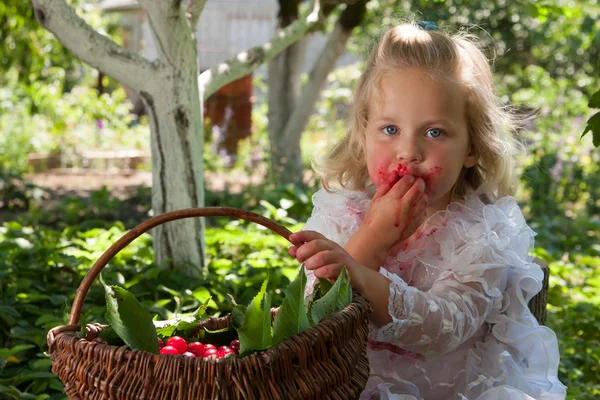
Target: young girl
{"x": 423, "y": 220}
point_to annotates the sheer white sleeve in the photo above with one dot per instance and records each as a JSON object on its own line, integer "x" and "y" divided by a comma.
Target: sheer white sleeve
{"x": 464, "y": 279}
{"x": 435, "y": 321}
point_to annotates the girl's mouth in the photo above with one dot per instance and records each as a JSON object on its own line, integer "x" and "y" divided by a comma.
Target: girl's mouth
{"x": 403, "y": 170}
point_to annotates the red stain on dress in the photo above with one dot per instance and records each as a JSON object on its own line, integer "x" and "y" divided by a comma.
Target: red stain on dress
{"x": 353, "y": 209}
{"x": 413, "y": 357}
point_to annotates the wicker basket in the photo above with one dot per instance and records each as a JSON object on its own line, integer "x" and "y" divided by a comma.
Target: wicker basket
{"x": 327, "y": 361}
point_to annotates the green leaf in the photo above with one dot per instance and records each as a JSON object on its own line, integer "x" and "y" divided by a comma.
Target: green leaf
{"x": 338, "y": 297}
{"x": 292, "y": 317}
{"x": 32, "y": 376}
{"x": 183, "y": 323}
{"x": 129, "y": 319}
{"x": 238, "y": 315}
{"x": 19, "y": 348}
{"x": 593, "y": 125}
{"x": 324, "y": 285}
{"x": 110, "y": 337}
{"x": 255, "y": 331}
{"x": 595, "y": 100}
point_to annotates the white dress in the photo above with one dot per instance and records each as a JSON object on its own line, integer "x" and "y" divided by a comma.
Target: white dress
{"x": 458, "y": 300}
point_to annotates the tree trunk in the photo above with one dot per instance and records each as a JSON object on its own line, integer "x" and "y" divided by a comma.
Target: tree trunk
{"x": 290, "y": 107}
{"x": 285, "y": 71}
{"x": 175, "y": 112}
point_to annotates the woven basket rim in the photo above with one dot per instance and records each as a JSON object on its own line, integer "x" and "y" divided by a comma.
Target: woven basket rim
{"x": 359, "y": 304}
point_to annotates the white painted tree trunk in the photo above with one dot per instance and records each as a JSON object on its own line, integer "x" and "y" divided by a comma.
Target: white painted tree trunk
{"x": 175, "y": 112}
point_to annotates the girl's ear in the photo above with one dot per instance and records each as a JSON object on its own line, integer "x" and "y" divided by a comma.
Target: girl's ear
{"x": 472, "y": 157}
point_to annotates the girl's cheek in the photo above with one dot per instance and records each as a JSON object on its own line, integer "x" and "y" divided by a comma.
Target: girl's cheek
{"x": 379, "y": 171}
{"x": 432, "y": 179}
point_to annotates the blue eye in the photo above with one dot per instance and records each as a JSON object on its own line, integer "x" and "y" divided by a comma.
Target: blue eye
{"x": 434, "y": 133}
{"x": 390, "y": 130}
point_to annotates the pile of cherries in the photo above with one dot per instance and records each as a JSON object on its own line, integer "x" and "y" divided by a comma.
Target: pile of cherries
{"x": 178, "y": 346}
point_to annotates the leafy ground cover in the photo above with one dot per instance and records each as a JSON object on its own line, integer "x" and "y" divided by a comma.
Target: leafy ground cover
{"x": 44, "y": 256}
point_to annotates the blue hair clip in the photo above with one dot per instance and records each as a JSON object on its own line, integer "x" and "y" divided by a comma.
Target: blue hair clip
{"x": 428, "y": 25}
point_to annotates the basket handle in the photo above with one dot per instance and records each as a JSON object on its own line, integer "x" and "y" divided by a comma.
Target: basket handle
{"x": 134, "y": 233}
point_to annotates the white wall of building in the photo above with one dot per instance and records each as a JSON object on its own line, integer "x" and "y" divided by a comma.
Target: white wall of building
{"x": 228, "y": 27}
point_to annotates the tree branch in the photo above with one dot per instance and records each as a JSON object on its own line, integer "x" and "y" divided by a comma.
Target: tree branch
{"x": 91, "y": 47}
{"x": 318, "y": 75}
{"x": 350, "y": 18}
{"x": 247, "y": 61}
{"x": 165, "y": 18}
{"x": 194, "y": 11}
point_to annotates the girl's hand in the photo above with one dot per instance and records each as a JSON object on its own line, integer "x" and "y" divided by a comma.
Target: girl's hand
{"x": 396, "y": 211}
{"x": 319, "y": 254}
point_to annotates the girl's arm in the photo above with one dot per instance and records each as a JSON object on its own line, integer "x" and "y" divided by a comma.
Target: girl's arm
{"x": 376, "y": 288}
{"x": 435, "y": 321}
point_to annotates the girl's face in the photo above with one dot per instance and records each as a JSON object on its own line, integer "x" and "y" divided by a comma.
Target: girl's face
{"x": 417, "y": 125}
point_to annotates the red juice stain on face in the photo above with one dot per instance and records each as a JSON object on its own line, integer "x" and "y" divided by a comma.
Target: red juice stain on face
{"x": 433, "y": 173}
{"x": 385, "y": 176}
{"x": 402, "y": 170}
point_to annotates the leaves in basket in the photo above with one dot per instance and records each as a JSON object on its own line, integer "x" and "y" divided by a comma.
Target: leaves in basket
{"x": 324, "y": 286}
{"x": 110, "y": 337}
{"x": 183, "y": 324}
{"x": 254, "y": 322}
{"x": 238, "y": 315}
{"x": 129, "y": 319}
{"x": 292, "y": 317}
{"x": 336, "y": 298}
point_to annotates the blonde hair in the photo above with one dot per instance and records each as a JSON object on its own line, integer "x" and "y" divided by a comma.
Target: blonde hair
{"x": 458, "y": 58}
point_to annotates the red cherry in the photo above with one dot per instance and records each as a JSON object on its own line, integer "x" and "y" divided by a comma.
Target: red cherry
{"x": 224, "y": 351}
{"x": 179, "y": 343}
{"x": 235, "y": 346}
{"x": 189, "y": 354}
{"x": 195, "y": 347}
{"x": 169, "y": 350}
{"x": 208, "y": 352}
{"x": 209, "y": 346}
{"x": 161, "y": 344}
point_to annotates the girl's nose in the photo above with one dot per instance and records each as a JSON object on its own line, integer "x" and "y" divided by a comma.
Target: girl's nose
{"x": 409, "y": 150}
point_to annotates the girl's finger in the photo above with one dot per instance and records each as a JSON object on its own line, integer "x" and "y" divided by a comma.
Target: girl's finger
{"x": 328, "y": 271}
{"x": 320, "y": 259}
{"x": 382, "y": 190}
{"x": 414, "y": 193}
{"x": 418, "y": 214}
{"x": 419, "y": 209}
{"x": 292, "y": 251}
{"x": 304, "y": 236}
{"x": 311, "y": 248}
{"x": 403, "y": 186}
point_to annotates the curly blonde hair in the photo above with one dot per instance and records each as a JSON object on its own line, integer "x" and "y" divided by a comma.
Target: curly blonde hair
{"x": 458, "y": 58}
